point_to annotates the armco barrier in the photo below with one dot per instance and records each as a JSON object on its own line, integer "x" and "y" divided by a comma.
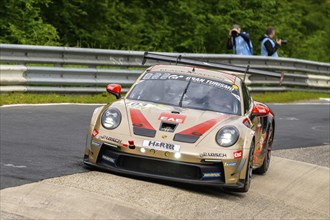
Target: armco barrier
{"x": 79, "y": 70}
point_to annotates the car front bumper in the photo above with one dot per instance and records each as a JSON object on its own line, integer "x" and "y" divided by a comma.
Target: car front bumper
{"x": 114, "y": 160}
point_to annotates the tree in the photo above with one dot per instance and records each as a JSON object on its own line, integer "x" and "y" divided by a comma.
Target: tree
{"x": 21, "y": 23}
{"x": 172, "y": 25}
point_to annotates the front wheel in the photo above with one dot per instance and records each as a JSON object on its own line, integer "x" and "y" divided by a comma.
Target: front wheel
{"x": 249, "y": 168}
{"x": 265, "y": 165}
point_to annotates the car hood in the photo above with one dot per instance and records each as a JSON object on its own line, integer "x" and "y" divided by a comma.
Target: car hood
{"x": 157, "y": 121}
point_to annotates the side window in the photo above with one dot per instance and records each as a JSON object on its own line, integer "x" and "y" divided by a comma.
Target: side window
{"x": 246, "y": 98}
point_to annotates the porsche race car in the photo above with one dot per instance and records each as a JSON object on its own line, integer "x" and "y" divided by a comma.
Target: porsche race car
{"x": 185, "y": 124}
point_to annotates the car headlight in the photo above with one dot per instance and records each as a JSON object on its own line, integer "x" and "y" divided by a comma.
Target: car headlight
{"x": 111, "y": 118}
{"x": 227, "y": 136}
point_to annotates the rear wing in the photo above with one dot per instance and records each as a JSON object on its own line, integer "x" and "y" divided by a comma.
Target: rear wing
{"x": 179, "y": 59}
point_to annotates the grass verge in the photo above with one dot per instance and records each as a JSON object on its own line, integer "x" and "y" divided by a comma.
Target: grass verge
{"x": 285, "y": 97}
{"x": 29, "y": 98}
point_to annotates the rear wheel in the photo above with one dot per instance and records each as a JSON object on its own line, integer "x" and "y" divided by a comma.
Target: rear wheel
{"x": 265, "y": 165}
{"x": 249, "y": 168}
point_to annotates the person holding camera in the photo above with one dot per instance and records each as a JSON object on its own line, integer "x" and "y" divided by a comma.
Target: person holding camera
{"x": 239, "y": 42}
{"x": 269, "y": 47}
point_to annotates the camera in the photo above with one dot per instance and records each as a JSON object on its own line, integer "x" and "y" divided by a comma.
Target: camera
{"x": 234, "y": 33}
{"x": 284, "y": 41}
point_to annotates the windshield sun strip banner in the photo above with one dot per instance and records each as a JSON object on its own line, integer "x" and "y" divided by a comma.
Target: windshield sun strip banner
{"x": 173, "y": 76}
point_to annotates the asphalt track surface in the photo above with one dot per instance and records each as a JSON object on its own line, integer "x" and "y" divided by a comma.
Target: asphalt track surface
{"x": 40, "y": 142}
{"x": 290, "y": 190}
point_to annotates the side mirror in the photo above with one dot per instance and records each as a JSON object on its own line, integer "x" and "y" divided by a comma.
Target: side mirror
{"x": 260, "y": 110}
{"x": 114, "y": 89}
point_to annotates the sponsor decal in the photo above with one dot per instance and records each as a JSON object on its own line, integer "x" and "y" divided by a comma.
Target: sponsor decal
{"x": 238, "y": 154}
{"x": 175, "y": 77}
{"x": 141, "y": 106}
{"x": 196, "y": 79}
{"x": 211, "y": 83}
{"x": 147, "y": 76}
{"x": 97, "y": 144}
{"x": 161, "y": 145}
{"x": 176, "y": 118}
{"x": 165, "y": 76}
{"x": 164, "y": 136}
{"x": 156, "y": 75}
{"x": 247, "y": 122}
{"x": 220, "y": 85}
{"x": 205, "y": 154}
{"x": 111, "y": 139}
{"x": 95, "y": 132}
{"x": 211, "y": 175}
{"x": 230, "y": 163}
{"x": 107, "y": 158}
{"x": 137, "y": 105}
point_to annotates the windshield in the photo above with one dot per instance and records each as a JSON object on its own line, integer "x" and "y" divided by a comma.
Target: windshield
{"x": 187, "y": 92}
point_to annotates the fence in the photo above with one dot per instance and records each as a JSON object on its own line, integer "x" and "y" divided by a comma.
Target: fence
{"x": 61, "y": 69}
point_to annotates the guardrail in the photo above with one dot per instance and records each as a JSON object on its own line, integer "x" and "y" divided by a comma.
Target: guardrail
{"x": 61, "y": 69}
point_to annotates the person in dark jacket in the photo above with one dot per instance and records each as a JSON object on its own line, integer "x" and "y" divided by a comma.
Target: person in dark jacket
{"x": 239, "y": 41}
{"x": 269, "y": 47}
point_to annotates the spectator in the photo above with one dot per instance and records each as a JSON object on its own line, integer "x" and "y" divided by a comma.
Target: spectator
{"x": 239, "y": 41}
{"x": 269, "y": 47}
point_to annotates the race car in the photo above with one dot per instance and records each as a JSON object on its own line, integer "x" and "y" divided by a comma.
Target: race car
{"x": 183, "y": 123}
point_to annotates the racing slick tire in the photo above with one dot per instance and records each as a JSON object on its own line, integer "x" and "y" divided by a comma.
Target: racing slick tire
{"x": 268, "y": 153}
{"x": 248, "y": 176}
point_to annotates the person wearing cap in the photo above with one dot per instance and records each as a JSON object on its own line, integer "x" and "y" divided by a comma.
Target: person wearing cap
{"x": 239, "y": 41}
{"x": 269, "y": 47}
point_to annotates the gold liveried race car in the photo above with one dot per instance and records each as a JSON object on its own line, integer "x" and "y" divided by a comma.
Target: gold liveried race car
{"x": 185, "y": 124}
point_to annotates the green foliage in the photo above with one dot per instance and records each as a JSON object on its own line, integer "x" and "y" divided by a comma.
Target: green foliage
{"x": 21, "y": 23}
{"x": 291, "y": 96}
{"x": 173, "y": 25}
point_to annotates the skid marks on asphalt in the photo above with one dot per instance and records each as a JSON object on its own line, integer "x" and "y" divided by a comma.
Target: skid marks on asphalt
{"x": 14, "y": 166}
{"x": 288, "y": 118}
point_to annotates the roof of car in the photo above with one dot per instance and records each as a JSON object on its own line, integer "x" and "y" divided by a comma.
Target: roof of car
{"x": 196, "y": 71}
